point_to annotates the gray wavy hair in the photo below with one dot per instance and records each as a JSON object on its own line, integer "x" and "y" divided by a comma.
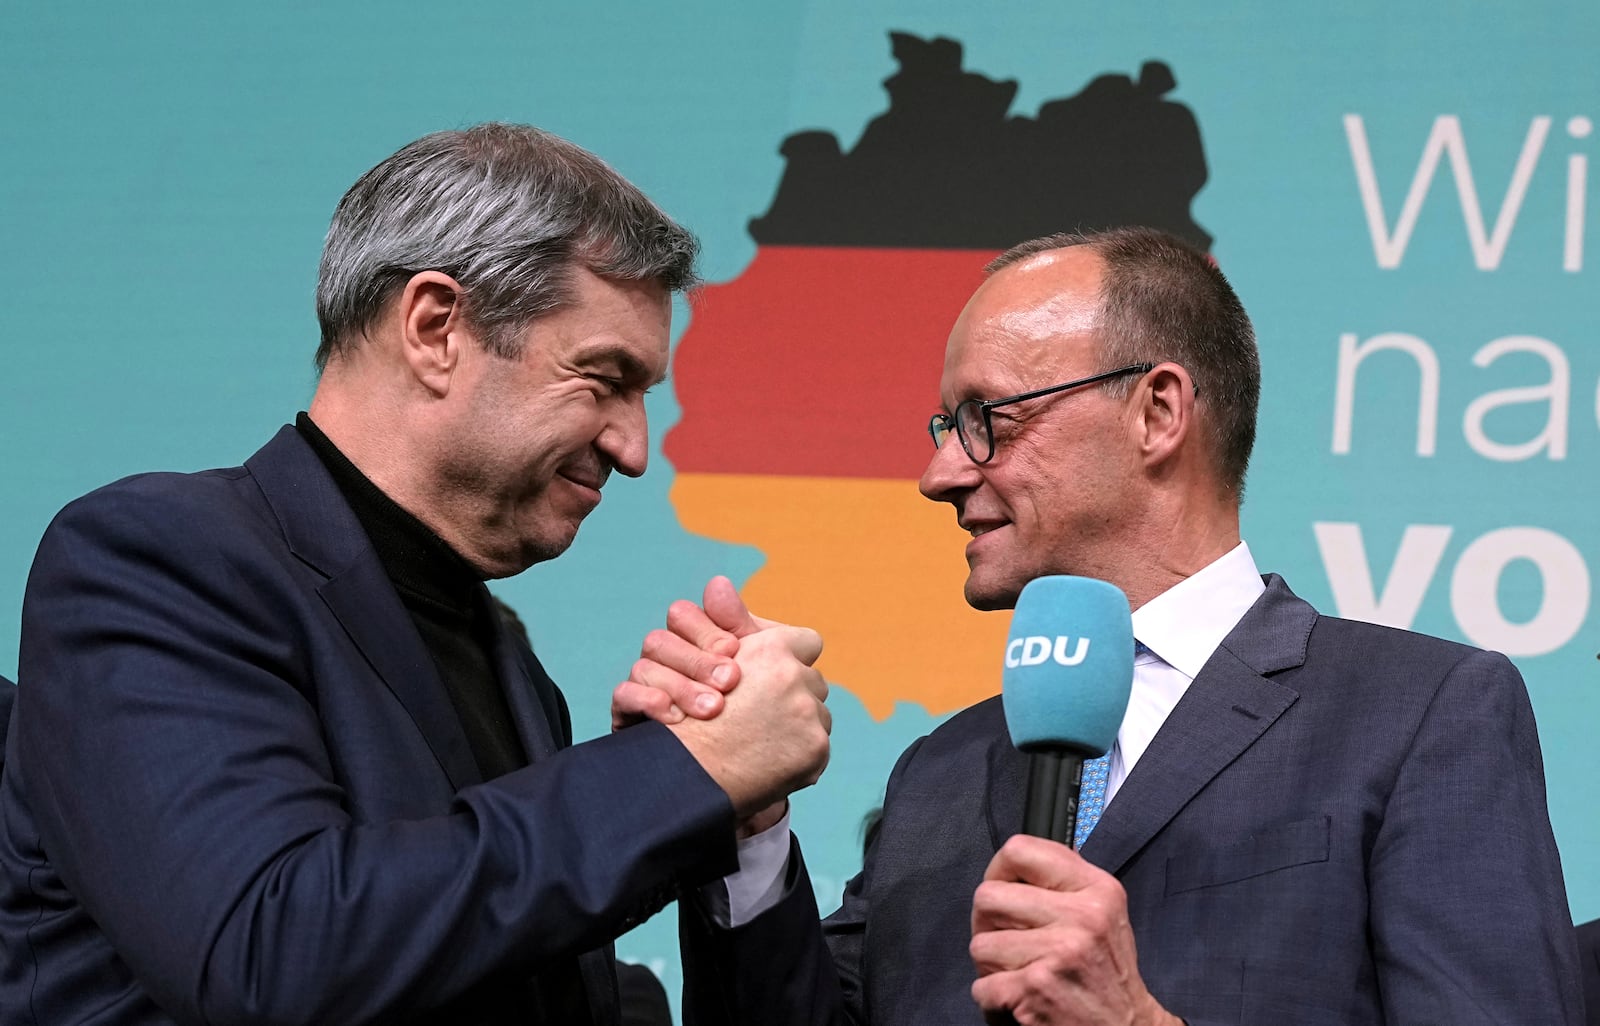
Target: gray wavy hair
{"x": 507, "y": 211}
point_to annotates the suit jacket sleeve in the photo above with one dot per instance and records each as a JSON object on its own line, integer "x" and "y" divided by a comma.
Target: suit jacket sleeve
{"x": 775, "y": 970}
{"x": 1468, "y": 909}
{"x": 783, "y": 968}
{"x": 182, "y": 787}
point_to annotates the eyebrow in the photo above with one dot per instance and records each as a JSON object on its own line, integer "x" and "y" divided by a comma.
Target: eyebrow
{"x": 629, "y": 365}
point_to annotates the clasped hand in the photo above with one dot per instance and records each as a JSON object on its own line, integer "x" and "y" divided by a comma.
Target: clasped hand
{"x": 741, "y": 693}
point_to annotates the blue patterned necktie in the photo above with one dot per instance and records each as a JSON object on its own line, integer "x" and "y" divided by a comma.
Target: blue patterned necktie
{"x": 1092, "y": 795}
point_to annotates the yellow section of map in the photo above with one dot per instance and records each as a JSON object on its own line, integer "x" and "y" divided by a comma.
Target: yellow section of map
{"x": 873, "y": 566}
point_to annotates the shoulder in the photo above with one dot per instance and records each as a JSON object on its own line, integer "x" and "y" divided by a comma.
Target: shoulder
{"x": 176, "y": 506}
{"x": 212, "y": 523}
{"x": 981, "y": 722}
{"x": 1385, "y": 658}
{"x": 1391, "y": 660}
{"x": 1371, "y": 679}
{"x": 1333, "y": 635}
{"x": 1390, "y": 651}
{"x": 1421, "y": 699}
{"x": 969, "y": 734}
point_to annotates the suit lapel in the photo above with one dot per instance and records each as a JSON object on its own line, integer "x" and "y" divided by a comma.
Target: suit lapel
{"x": 323, "y": 532}
{"x": 1223, "y": 713}
{"x": 365, "y": 602}
{"x": 530, "y": 694}
{"x": 1229, "y": 705}
{"x": 1008, "y": 782}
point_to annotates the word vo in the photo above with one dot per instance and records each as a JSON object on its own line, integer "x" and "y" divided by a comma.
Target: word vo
{"x": 1474, "y": 583}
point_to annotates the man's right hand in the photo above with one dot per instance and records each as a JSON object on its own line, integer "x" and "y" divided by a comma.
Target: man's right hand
{"x": 684, "y": 671}
{"x": 688, "y": 667}
{"x": 771, "y": 738}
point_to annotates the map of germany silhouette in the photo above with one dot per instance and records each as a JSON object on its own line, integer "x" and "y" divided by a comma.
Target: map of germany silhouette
{"x": 947, "y": 167}
{"x": 806, "y": 383}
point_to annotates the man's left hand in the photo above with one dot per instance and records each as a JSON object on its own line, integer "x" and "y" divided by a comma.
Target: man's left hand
{"x": 1052, "y": 942}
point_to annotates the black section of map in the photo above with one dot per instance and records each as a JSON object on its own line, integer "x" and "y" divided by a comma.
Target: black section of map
{"x": 946, "y": 167}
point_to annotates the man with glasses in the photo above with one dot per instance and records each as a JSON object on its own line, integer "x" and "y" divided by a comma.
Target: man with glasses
{"x": 1306, "y": 820}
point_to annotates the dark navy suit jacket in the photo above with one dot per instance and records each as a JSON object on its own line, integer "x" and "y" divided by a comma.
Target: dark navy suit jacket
{"x": 238, "y": 791}
{"x": 8, "y": 694}
{"x": 1338, "y": 823}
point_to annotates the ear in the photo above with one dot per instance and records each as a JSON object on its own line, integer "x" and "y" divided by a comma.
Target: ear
{"x": 431, "y": 328}
{"x": 1166, "y": 412}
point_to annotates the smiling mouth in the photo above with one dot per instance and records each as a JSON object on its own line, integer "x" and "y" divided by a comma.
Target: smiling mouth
{"x": 979, "y": 530}
{"x": 587, "y": 487}
{"x": 585, "y": 474}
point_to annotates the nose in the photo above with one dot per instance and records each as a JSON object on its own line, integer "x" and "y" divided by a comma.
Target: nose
{"x": 625, "y": 441}
{"x": 949, "y": 472}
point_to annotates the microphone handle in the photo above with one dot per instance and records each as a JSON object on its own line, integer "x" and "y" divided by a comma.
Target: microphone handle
{"x": 1055, "y": 776}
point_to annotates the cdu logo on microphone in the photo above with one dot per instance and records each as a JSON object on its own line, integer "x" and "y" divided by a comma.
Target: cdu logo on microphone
{"x": 1032, "y": 651}
{"x": 1068, "y": 665}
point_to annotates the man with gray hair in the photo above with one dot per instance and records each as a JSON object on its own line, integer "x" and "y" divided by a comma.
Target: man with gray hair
{"x": 276, "y": 757}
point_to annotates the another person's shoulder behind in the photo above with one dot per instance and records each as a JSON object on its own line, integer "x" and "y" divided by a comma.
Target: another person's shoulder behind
{"x": 1589, "y": 937}
{"x": 1589, "y": 956}
{"x": 8, "y": 694}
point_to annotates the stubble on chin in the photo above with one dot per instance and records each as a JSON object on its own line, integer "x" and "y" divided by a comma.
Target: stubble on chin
{"x": 551, "y": 540}
{"x": 988, "y": 597}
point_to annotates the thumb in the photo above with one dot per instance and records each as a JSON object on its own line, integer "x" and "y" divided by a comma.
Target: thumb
{"x": 803, "y": 642}
{"x": 727, "y": 610}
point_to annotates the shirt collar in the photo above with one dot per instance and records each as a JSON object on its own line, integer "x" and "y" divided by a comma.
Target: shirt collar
{"x": 1186, "y": 623}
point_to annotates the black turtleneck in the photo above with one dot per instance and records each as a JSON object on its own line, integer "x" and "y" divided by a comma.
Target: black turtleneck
{"x": 447, "y": 601}
{"x": 451, "y": 608}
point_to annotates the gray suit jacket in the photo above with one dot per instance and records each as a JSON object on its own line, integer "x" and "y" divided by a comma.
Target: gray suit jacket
{"x": 1338, "y": 823}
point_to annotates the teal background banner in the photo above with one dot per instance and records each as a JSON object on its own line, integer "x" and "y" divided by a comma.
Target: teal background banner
{"x": 1401, "y": 193}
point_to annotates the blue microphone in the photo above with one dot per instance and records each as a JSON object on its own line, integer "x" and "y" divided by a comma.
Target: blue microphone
{"x": 1068, "y": 672}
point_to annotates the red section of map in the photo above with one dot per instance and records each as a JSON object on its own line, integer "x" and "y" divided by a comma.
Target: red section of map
{"x": 819, "y": 362}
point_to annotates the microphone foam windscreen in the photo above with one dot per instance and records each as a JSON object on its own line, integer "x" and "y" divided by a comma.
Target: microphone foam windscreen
{"x": 1068, "y": 665}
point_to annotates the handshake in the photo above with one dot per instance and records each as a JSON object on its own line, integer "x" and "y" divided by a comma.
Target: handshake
{"x": 760, "y": 743}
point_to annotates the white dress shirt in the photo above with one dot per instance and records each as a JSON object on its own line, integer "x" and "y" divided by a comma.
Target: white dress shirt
{"x": 1179, "y": 629}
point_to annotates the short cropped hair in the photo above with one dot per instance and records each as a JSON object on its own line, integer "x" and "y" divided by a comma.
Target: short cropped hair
{"x": 507, "y": 211}
{"x": 1163, "y": 300}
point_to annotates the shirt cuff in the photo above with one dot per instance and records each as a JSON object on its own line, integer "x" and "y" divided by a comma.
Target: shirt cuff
{"x": 760, "y": 882}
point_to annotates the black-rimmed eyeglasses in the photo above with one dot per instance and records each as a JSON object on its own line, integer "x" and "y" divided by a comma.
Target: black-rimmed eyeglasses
{"x": 972, "y": 424}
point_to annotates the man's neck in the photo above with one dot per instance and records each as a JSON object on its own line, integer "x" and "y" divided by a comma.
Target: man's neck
{"x": 364, "y": 423}
{"x": 1183, "y": 542}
